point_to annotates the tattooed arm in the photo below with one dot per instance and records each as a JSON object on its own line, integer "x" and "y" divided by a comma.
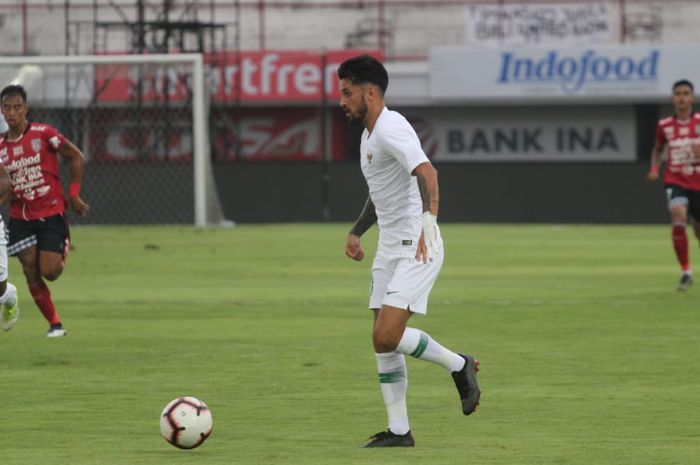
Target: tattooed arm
{"x": 426, "y": 175}
{"x": 365, "y": 221}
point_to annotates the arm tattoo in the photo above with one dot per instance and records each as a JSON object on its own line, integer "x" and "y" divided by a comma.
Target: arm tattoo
{"x": 366, "y": 219}
{"x": 428, "y": 193}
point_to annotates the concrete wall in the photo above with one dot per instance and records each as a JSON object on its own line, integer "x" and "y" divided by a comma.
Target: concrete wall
{"x": 470, "y": 192}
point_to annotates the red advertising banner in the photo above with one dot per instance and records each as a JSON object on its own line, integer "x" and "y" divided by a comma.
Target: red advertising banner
{"x": 265, "y": 134}
{"x": 248, "y": 76}
{"x": 117, "y": 134}
{"x": 276, "y": 134}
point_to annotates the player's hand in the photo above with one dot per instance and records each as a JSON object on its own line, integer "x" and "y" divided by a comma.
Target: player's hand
{"x": 422, "y": 251}
{"x": 652, "y": 176}
{"x": 695, "y": 150}
{"x": 353, "y": 248}
{"x": 427, "y": 244}
{"x": 79, "y": 206}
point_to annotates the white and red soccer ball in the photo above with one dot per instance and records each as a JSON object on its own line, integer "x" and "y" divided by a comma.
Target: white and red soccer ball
{"x": 186, "y": 422}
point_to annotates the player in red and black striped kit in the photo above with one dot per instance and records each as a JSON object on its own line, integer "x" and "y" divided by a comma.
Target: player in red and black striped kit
{"x": 681, "y": 134}
{"x": 39, "y": 234}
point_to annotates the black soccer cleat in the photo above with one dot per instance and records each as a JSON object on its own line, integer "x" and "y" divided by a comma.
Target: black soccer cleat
{"x": 685, "y": 282}
{"x": 389, "y": 439}
{"x": 466, "y": 383}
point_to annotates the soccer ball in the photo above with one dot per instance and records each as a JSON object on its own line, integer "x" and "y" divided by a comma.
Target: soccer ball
{"x": 186, "y": 422}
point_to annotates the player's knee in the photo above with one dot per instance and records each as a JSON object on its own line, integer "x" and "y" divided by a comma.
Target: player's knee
{"x": 384, "y": 341}
{"x": 52, "y": 274}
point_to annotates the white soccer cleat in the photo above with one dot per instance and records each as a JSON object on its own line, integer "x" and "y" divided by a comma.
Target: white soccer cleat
{"x": 9, "y": 314}
{"x": 56, "y": 331}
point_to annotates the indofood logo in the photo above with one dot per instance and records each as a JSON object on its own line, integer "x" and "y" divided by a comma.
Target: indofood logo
{"x": 572, "y": 73}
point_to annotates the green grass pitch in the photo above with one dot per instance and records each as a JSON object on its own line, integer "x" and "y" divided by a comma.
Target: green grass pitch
{"x": 588, "y": 353}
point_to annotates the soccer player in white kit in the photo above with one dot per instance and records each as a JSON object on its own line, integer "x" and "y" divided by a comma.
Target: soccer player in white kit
{"x": 9, "y": 310}
{"x": 403, "y": 200}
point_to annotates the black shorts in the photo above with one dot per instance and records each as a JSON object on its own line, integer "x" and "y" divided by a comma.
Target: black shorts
{"x": 50, "y": 234}
{"x": 676, "y": 195}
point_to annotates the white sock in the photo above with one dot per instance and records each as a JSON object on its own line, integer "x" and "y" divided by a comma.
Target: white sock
{"x": 418, "y": 344}
{"x": 10, "y": 295}
{"x": 393, "y": 383}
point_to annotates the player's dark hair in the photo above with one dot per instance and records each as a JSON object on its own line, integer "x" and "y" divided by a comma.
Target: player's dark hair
{"x": 13, "y": 90}
{"x": 364, "y": 69}
{"x": 683, "y": 82}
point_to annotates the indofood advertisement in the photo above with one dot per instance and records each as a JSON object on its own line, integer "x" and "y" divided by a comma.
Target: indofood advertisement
{"x": 611, "y": 73}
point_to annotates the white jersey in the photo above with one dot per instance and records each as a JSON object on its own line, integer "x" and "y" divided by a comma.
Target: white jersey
{"x": 3, "y": 125}
{"x": 388, "y": 156}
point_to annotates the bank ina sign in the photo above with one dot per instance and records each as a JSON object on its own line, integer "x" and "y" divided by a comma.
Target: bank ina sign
{"x": 573, "y": 72}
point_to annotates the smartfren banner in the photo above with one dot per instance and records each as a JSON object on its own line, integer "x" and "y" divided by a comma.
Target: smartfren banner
{"x": 250, "y": 76}
{"x": 610, "y": 72}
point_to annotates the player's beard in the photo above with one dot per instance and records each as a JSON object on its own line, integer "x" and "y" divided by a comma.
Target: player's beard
{"x": 358, "y": 117}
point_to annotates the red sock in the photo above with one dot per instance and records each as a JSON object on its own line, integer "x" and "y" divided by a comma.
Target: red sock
{"x": 42, "y": 298}
{"x": 680, "y": 245}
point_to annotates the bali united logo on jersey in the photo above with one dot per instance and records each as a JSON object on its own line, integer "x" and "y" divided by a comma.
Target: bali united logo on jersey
{"x": 36, "y": 145}
{"x": 369, "y": 158}
{"x": 55, "y": 142}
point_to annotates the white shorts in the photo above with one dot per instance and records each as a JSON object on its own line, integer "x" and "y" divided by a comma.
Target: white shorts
{"x": 403, "y": 282}
{"x": 3, "y": 252}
